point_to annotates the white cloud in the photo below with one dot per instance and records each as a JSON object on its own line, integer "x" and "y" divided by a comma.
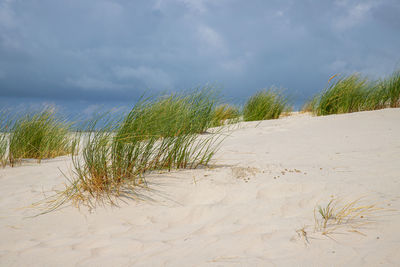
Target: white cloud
{"x": 151, "y": 77}
{"x": 354, "y": 16}
{"x": 210, "y": 37}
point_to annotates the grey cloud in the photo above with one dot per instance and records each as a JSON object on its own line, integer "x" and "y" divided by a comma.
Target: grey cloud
{"x": 112, "y": 51}
{"x": 151, "y": 77}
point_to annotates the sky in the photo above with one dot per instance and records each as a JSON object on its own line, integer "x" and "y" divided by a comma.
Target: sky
{"x": 82, "y": 55}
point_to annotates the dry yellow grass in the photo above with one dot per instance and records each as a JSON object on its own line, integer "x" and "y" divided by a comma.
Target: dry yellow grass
{"x": 346, "y": 215}
{"x": 340, "y": 216}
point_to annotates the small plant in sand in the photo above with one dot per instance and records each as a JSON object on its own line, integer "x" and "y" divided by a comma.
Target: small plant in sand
{"x": 157, "y": 134}
{"x": 265, "y": 105}
{"x": 337, "y": 214}
{"x": 38, "y": 135}
{"x": 224, "y": 114}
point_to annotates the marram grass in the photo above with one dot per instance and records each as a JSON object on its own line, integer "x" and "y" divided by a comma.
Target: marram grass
{"x": 354, "y": 93}
{"x": 344, "y": 95}
{"x": 265, "y": 105}
{"x": 157, "y": 134}
{"x": 391, "y": 88}
{"x": 38, "y": 135}
{"x": 180, "y": 113}
{"x": 224, "y": 114}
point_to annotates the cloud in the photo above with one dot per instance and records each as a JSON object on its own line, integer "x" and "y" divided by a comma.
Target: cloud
{"x": 90, "y": 83}
{"x": 112, "y": 50}
{"x": 210, "y": 37}
{"x": 152, "y": 77}
{"x": 355, "y": 14}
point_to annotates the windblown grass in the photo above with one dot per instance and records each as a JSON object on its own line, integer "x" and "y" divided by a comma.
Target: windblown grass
{"x": 391, "y": 88}
{"x": 376, "y": 97}
{"x": 184, "y": 113}
{"x": 265, "y": 105}
{"x": 225, "y": 114}
{"x": 38, "y": 135}
{"x": 157, "y": 134}
{"x": 356, "y": 93}
{"x": 344, "y": 95}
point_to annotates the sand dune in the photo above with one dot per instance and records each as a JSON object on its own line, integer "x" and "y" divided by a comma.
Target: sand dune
{"x": 266, "y": 180}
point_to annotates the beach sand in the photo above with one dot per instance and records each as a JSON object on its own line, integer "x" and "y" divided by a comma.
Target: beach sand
{"x": 248, "y": 209}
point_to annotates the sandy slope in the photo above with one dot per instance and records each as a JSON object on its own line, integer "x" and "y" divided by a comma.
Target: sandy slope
{"x": 243, "y": 212}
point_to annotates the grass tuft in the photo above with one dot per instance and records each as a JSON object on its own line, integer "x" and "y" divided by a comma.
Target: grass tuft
{"x": 38, "y": 136}
{"x": 391, "y": 88}
{"x": 355, "y": 93}
{"x": 265, "y": 105}
{"x": 225, "y": 114}
{"x": 337, "y": 214}
{"x": 157, "y": 134}
{"x": 344, "y": 95}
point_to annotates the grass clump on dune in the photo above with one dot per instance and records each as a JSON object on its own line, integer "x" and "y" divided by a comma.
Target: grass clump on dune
{"x": 157, "y": 134}
{"x": 355, "y": 93}
{"x": 225, "y": 114}
{"x": 182, "y": 113}
{"x": 391, "y": 90}
{"x": 344, "y": 95}
{"x": 265, "y": 105}
{"x": 38, "y": 135}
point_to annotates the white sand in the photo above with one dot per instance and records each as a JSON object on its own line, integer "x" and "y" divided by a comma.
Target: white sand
{"x": 244, "y": 212}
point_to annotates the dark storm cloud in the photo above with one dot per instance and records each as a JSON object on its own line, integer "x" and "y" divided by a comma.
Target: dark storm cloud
{"x": 99, "y": 51}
